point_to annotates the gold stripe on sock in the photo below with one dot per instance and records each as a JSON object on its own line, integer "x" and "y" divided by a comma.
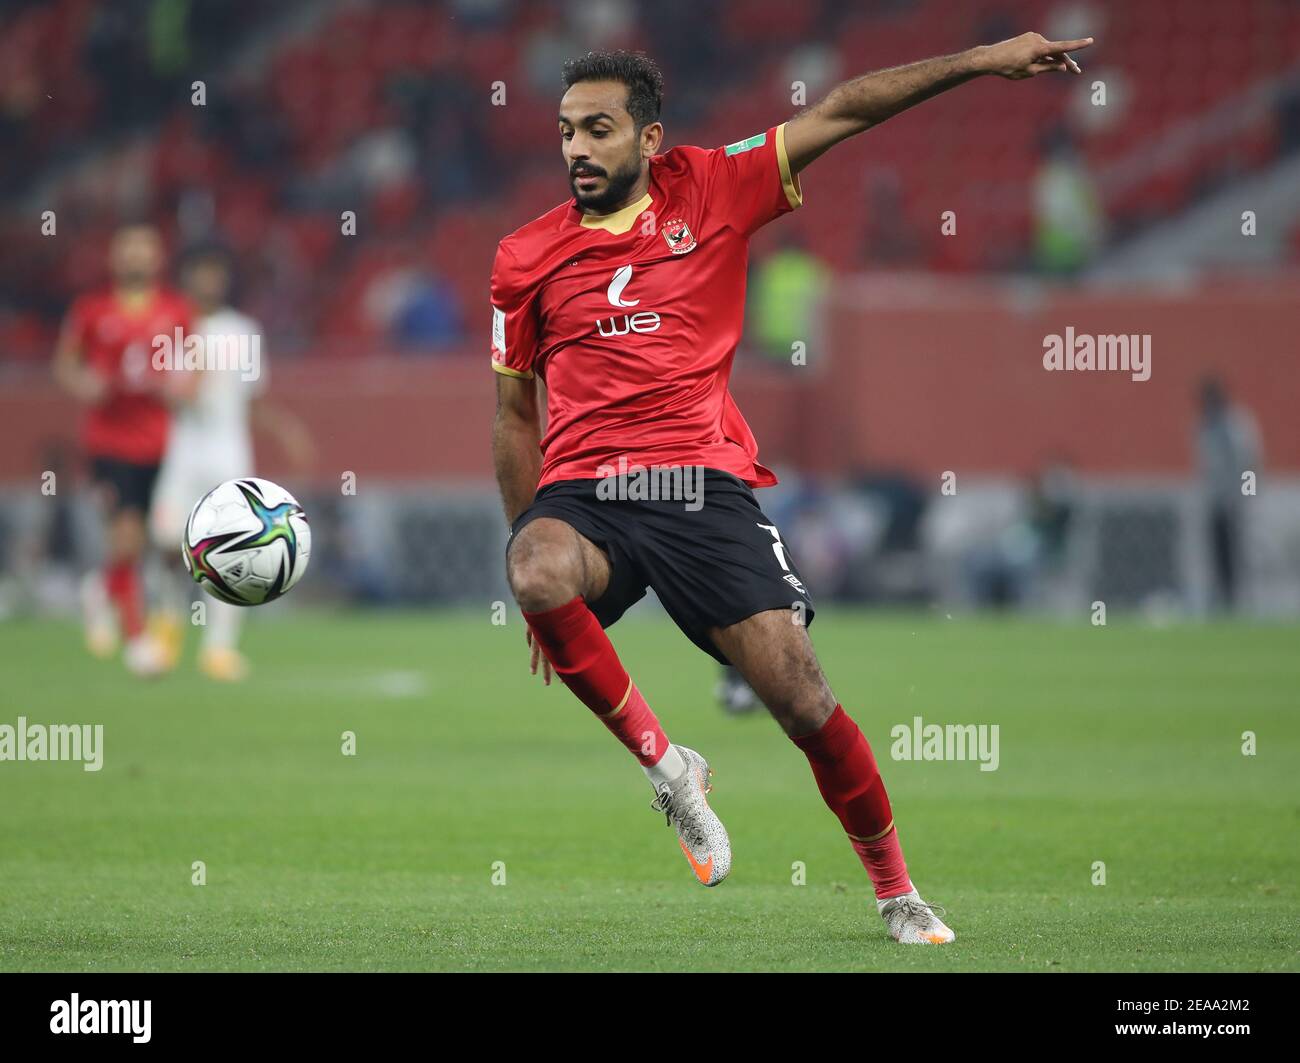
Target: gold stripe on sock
{"x": 874, "y": 837}
{"x": 619, "y": 708}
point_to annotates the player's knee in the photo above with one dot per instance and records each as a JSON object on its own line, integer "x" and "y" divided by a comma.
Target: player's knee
{"x": 802, "y": 712}
{"x": 542, "y": 578}
{"x": 127, "y": 535}
{"x": 542, "y": 583}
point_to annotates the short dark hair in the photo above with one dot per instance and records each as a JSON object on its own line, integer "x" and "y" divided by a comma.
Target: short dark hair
{"x": 636, "y": 70}
{"x": 207, "y": 251}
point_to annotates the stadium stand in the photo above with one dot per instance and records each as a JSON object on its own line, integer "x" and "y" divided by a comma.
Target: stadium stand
{"x": 381, "y": 109}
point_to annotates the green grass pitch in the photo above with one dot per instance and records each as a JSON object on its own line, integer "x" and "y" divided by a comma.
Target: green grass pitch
{"x": 1119, "y": 744}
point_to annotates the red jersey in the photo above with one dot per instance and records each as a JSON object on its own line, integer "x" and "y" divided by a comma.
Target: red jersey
{"x": 117, "y": 342}
{"x": 632, "y": 319}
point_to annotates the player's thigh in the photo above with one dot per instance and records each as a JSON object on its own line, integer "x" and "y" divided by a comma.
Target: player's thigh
{"x": 549, "y": 562}
{"x": 109, "y": 486}
{"x": 720, "y": 564}
{"x": 773, "y": 652}
{"x": 174, "y": 497}
{"x": 124, "y": 490}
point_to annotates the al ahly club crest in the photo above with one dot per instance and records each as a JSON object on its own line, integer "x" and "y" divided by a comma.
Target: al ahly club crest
{"x": 678, "y": 236}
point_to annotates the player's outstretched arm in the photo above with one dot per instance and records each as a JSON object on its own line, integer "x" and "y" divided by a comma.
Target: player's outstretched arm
{"x": 857, "y": 105}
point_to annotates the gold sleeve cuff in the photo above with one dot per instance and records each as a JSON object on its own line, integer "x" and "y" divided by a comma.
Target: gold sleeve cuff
{"x": 505, "y": 370}
{"x": 789, "y": 181}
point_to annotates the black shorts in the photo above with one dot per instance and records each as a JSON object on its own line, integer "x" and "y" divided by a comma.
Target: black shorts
{"x": 128, "y": 485}
{"x": 712, "y": 562}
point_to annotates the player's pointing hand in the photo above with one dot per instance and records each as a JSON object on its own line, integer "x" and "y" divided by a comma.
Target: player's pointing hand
{"x": 1030, "y": 54}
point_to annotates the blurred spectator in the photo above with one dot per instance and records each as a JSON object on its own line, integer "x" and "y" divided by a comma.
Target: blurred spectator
{"x": 785, "y": 296}
{"x": 430, "y": 315}
{"x": 888, "y": 564}
{"x": 1009, "y": 572}
{"x": 414, "y": 308}
{"x": 1227, "y": 446}
{"x": 1288, "y": 117}
{"x": 1069, "y": 225}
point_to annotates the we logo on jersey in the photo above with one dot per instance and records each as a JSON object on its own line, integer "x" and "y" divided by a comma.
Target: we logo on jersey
{"x": 643, "y": 321}
{"x": 615, "y": 294}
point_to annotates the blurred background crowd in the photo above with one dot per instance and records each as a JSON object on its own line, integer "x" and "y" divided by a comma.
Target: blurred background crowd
{"x": 926, "y": 455}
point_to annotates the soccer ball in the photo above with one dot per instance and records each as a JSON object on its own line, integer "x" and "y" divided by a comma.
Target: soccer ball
{"x": 247, "y": 541}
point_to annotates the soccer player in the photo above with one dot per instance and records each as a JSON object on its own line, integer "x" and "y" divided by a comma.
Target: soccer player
{"x": 627, "y": 301}
{"x": 105, "y": 360}
{"x": 211, "y": 439}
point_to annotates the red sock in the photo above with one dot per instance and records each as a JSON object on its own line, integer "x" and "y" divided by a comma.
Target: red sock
{"x": 850, "y": 784}
{"x": 122, "y": 582}
{"x": 583, "y": 657}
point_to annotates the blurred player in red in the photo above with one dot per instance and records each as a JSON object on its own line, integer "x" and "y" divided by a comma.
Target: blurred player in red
{"x": 106, "y": 360}
{"x": 628, "y": 301}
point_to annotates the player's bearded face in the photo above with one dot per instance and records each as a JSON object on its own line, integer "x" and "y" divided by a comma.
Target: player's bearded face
{"x": 135, "y": 256}
{"x": 614, "y": 184}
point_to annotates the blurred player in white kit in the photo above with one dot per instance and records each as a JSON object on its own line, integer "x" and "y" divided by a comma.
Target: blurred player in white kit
{"x": 211, "y": 441}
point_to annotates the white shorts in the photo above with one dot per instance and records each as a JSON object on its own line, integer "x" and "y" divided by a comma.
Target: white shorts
{"x": 180, "y": 485}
